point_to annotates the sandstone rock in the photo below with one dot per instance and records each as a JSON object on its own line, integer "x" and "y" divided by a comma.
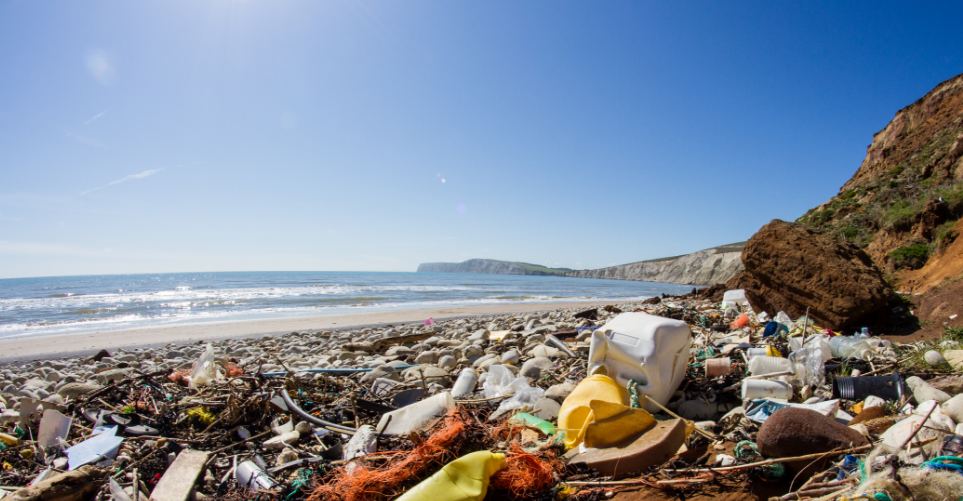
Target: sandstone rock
{"x": 789, "y": 268}
{"x": 955, "y": 358}
{"x": 74, "y": 390}
{"x": 950, "y": 384}
{"x": 560, "y": 392}
{"x": 794, "y": 431}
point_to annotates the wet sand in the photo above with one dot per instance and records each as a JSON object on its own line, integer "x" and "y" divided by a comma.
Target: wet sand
{"x": 73, "y": 345}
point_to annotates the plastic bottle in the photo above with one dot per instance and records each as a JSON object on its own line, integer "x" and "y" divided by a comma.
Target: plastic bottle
{"x": 765, "y": 388}
{"x": 850, "y": 347}
{"x": 576, "y": 413}
{"x": 464, "y": 479}
{"x": 763, "y": 364}
{"x": 251, "y": 476}
{"x": 465, "y": 384}
{"x": 808, "y": 366}
{"x": 769, "y": 351}
{"x": 414, "y": 416}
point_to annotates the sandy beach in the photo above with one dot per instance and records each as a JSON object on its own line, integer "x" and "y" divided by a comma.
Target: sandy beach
{"x": 73, "y": 345}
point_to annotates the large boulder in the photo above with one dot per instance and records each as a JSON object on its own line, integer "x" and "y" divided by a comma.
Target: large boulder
{"x": 789, "y": 268}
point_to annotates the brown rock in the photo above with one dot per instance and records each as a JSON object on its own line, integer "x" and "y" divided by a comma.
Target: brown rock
{"x": 789, "y": 268}
{"x": 950, "y": 384}
{"x": 793, "y": 432}
{"x": 653, "y": 300}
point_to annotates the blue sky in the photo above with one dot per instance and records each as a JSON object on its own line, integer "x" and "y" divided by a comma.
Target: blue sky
{"x": 355, "y": 135}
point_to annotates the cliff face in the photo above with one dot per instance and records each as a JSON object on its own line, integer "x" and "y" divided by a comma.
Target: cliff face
{"x": 706, "y": 267}
{"x": 488, "y": 266}
{"x": 902, "y": 203}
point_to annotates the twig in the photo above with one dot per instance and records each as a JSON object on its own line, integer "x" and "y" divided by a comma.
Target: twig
{"x": 667, "y": 411}
{"x": 771, "y": 461}
{"x": 227, "y": 447}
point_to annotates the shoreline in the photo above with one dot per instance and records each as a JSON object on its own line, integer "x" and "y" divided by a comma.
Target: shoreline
{"x": 86, "y": 344}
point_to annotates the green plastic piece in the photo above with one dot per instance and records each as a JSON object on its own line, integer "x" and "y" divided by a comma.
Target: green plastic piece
{"x": 534, "y": 422}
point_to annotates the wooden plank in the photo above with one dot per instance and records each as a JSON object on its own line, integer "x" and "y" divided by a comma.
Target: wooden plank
{"x": 179, "y": 479}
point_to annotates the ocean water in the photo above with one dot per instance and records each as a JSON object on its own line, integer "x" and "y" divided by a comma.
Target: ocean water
{"x": 77, "y": 304}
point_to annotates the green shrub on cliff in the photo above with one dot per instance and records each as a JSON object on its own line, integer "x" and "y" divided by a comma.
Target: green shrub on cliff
{"x": 911, "y": 256}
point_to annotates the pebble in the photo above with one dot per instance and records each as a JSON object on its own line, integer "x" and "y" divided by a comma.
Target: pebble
{"x": 933, "y": 357}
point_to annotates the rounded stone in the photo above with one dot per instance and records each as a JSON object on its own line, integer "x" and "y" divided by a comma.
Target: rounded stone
{"x": 934, "y": 357}
{"x": 447, "y": 362}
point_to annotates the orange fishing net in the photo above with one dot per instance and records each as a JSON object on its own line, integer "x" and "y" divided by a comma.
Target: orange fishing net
{"x": 527, "y": 473}
{"x": 368, "y": 482}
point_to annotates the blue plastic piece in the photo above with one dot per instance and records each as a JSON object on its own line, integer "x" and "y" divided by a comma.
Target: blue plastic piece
{"x": 335, "y": 371}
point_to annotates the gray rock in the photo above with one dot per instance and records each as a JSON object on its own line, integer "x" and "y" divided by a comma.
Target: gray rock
{"x": 9, "y": 416}
{"x": 55, "y": 398}
{"x": 447, "y": 362}
{"x": 560, "y": 392}
{"x": 384, "y": 371}
{"x": 427, "y": 357}
{"x": 510, "y": 357}
{"x": 113, "y": 375}
{"x": 533, "y": 367}
{"x": 923, "y": 391}
{"x": 933, "y": 357}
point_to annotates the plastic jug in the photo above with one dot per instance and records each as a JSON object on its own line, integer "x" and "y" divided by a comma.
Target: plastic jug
{"x": 463, "y": 479}
{"x": 733, "y": 298}
{"x": 763, "y": 364}
{"x": 465, "y": 384}
{"x": 407, "y": 419}
{"x": 646, "y": 348}
{"x": 576, "y": 412}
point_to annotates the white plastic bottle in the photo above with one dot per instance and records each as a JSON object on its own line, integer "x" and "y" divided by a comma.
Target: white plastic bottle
{"x": 465, "y": 384}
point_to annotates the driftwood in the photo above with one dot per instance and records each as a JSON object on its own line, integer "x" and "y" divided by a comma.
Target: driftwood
{"x": 70, "y": 486}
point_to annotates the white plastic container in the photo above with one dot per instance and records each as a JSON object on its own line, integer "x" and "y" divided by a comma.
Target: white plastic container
{"x": 733, "y": 298}
{"x": 465, "y": 384}
{"x": 646, "y": 348}
{"x": 851, "y": 347}
{"x": 764, "y": 364}
{"x": 251, "y": 476}
{"x": 413, "y": 417}
{"x": 765, "y": 388}
{"x": 820, "y": 341}
{"x": 363, "y": 442}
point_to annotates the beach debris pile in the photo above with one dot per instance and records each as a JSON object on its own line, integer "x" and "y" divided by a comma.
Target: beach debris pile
{"x": 672, "y": 397}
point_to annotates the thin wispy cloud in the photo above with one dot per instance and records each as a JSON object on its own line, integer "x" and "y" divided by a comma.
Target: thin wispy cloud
{"x": 84, "y": 140}
{"x": 126, "y": 178}
{"x": 102, "y": 113}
